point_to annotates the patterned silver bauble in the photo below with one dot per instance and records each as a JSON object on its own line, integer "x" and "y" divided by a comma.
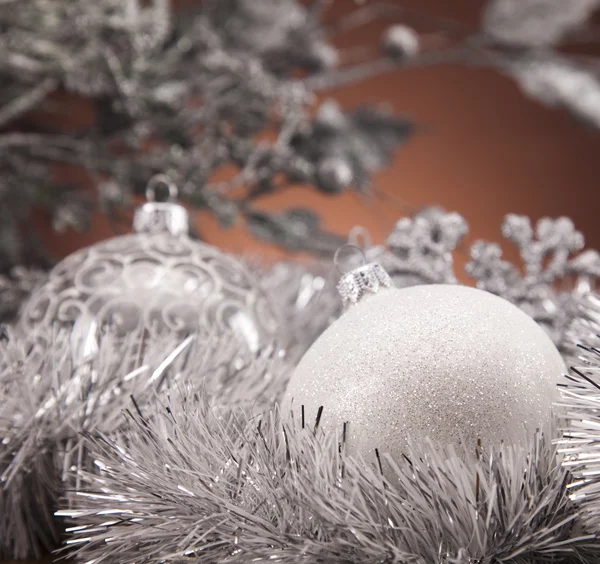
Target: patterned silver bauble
{"x": 158, "y": 279}
{"x": 448, "y": 362}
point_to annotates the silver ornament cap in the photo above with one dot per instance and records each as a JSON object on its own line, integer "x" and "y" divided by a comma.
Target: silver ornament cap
{"x": 161, "y": 217}
{"x": 368, "y": 278}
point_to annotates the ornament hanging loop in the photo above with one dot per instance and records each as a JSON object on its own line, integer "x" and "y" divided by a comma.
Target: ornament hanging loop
{"x": 360, "y": 237}
{"x": 161, "y": 180}
{"x": 161, "y": 217}
{"x": 368, "y": 278}
{"x": 336, "y": 256}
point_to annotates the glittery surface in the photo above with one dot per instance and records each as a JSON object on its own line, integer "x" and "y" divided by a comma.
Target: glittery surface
{"x": 449, "y": 362}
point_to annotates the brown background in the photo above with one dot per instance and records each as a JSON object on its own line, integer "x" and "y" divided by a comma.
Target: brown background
{"x": 487, "y": 151}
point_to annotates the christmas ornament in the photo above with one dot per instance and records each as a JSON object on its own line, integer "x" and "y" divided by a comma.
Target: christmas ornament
{"x": 158, "y": 279}
{"x": 448, "y": 362}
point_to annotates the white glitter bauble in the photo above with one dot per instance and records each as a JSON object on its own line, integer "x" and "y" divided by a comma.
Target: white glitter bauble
{"x": 157, "y": 279}
{"x": 448, "y": 362}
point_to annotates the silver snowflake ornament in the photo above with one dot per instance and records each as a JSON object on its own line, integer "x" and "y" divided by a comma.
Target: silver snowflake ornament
{"x": 554, "y": 275}
{"x": 548, "y": 265}
{"x": 419, "y": 249}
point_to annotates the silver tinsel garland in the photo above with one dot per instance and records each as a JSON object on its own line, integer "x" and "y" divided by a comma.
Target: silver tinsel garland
{"x": 50, "y": 398}
{"x": 581, "y": 399}
{"x": 172, "y": 450}
{"x": 186, "y": 484}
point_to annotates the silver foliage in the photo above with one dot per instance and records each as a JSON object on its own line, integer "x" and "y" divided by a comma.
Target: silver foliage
{"x": 182, "y": 92}
{"x": 558, "y": 82}
{"x": 535, "y": 23}
{"x": 525, "y": 39}
{"x": 186, "y": 93}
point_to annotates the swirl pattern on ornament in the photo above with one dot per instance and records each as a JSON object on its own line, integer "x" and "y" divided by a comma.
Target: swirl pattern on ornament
{"x": 159, "y": 282}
